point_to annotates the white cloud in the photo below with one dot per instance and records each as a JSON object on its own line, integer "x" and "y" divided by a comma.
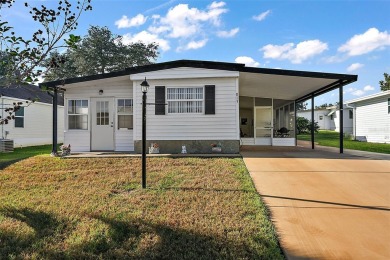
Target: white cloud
{"x": 261, "y": 16}
{"x": 354, "y": 66}
{"x": 296, "y": 54}
{"x": 364, "y": 43}
{"x": 228, "y": 34}
{"x": 368, "y": 88}
{"x": 125, "y": 22}
{"x": 215, "y": 5}
{"x": 248, "y": 61}
{"x": 184, "y": 22}
{"x": 193, "y": 45}
{"x": 146, "y": 37}
{"x": 358, "y": 92}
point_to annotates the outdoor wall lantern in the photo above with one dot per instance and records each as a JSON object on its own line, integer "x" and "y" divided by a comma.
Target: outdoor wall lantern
{"x": 144, "y": 89}
{"x": 101, "y": 92}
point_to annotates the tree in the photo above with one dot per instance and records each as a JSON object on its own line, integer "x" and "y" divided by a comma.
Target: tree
{"x": 26, "y": 55}
{"x": 301, "y": 106}
{"x": 99, "y": 52}
{"x": 385, "y": 84}
{"x": 325, "y": 105}
{"x": 304, "y": 125}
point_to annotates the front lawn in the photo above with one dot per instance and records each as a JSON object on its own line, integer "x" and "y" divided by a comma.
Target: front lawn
{"x": 331, "y": 138}
{"x": 193, "y": 208}
{"x": 23, "y": 153}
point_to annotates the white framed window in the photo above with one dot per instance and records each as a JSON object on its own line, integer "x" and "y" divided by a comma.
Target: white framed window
{"x": 125, "y": 113}
{"x": 185, "y": 100}
{"x": 78, "y": 114}
{"x": 19, "y": 118}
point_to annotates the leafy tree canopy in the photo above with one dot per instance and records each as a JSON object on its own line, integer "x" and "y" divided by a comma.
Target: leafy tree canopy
{"x": 24, "y": 56}
{"x": 385, "y": 84}
{"x": 99, "y": 52}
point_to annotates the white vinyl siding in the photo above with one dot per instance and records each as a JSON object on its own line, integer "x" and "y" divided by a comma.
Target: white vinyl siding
{"x": 223, "y": 125}
{"x": 38, "y": 123}
{"x": 185, "y": 100}
{"x": 117, "y": 88}
{"x": 373, "y": 119}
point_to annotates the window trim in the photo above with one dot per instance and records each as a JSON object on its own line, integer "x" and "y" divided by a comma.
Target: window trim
{"x": 22, "y": 117}
{"x": 117, "y": 114}
{"x": 87, "y": 114}
{"x": 176, "y": 87}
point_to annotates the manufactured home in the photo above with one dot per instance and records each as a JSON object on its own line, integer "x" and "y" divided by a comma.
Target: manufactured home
{"x": 328, "y": 118}
{"x": 33, "y": 123}
{"x": 372, "y": 120}
{"x": 196, "y": 104}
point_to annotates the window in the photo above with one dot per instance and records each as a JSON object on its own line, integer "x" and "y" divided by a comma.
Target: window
{"x": 331, "y": 117}
{"x": 78, "y": 114}
{"x": 350, "y": 114}
{"x": 321, "y": 117}
{"x": 19, "y": 118}
{"x": 388, "y": 105}
{"x": 102, "y": 113}
{"x": 125, "y": 113}
{"x": 185, "y": 100}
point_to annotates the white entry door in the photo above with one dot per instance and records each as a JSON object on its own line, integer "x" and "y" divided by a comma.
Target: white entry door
{"x": 263, "y": 125}
{"x": 102, "y": 124}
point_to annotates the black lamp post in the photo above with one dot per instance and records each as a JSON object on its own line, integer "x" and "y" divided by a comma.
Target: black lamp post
{"x": 144, "y": 89}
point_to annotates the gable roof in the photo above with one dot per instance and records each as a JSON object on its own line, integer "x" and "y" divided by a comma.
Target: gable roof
{"x": 376, "y": 95}
{"x": 28, "y": 92}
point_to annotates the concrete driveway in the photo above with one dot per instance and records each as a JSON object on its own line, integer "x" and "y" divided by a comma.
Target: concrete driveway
{"x": 324, "y": 205}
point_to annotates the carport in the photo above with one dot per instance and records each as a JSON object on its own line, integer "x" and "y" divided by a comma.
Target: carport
{"x": 325, "y": 205}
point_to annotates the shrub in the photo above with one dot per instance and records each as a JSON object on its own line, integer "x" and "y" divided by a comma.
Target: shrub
{"x": 304, "y": 125}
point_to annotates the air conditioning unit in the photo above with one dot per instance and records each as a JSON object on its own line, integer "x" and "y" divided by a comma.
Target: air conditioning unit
{"x": 6, "y": 145}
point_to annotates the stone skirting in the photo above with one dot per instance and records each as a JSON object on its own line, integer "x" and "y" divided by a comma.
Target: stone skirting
{"x": 192, "y": 146}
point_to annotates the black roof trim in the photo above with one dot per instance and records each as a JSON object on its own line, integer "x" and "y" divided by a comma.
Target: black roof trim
{"x": 200, "y": 64}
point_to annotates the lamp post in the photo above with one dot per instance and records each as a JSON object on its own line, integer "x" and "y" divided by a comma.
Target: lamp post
{"x": 144, "y": 89}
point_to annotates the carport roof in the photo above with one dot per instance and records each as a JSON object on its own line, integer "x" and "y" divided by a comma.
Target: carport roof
{"x": 264, "y": 82}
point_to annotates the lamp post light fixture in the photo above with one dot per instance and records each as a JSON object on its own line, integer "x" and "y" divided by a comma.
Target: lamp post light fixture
{"x": 144, "y": 89}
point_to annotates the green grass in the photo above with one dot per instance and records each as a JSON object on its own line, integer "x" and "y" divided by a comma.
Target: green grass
{"x": 331, "y": 138}
{"x": 23, "y": 153}
{"x": 194, "y": 208}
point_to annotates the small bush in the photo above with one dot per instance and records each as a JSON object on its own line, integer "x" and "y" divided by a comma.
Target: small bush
{"x": 304, "y": 125}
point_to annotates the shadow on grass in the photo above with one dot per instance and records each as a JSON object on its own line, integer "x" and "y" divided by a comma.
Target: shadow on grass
{"x": 130, "y": 239}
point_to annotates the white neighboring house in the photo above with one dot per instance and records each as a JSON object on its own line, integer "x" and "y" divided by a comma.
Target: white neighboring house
{"x": 195, "y": 104}
{"x": 33, "y": 123}
{"x": 372, "y": 120}
{"x": 328, "y": 118}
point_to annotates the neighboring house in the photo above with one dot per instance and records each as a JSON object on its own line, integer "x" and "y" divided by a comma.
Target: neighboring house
{"x": 372, "y": 117}
{"x": 190, "y": 103}
{"x": 32, "y": 124}
{"x": 328, "y": 118}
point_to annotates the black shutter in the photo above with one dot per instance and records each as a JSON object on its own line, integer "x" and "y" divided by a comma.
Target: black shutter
{"x": 209, "y": 100}
{"x": 160, "y": 100}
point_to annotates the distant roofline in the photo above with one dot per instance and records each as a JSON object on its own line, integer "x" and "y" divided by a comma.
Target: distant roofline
{"x": 376, "y": 95}
{"x": 200, "y": 64}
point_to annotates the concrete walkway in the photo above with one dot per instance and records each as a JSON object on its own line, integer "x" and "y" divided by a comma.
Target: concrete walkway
{"x": 325, "y": 205}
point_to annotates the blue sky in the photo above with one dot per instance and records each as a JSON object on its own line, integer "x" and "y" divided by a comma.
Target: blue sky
{"x": 331, "y": 36}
